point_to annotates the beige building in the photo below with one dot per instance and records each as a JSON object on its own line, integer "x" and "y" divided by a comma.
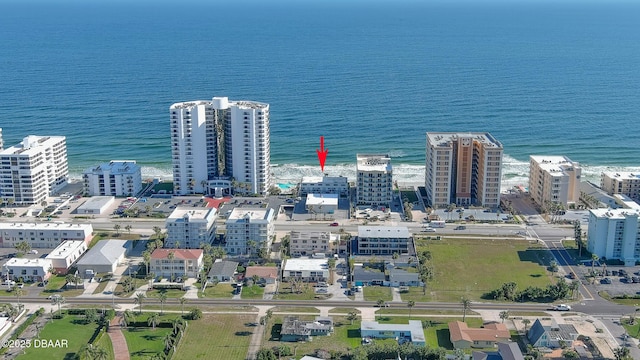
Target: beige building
{"x": 189, "y": 227}
{"x": 554, "y": 179}
{"x": 177, "y": 262}
{"x": 245, "y": 225}
{"x": 304, "y": 243}
{"x": 463, "y": 168}
{"x": 374, "y": 180}
{"x": 43, "y": 235}
{"x": 625, "y": 183}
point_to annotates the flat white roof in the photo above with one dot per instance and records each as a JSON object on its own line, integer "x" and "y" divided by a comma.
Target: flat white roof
{"x": 116, "y": 166}
{"x": 373, "y": 162}
{"x": 555, "y": 165}
{"x": 400, "y": 232}
{"x": 250, "y": 214}
{"x": 306, "y": 264}
{"x": 414, "y": 327}
{"x": 614, "y": 213}
{"x": 444, "y": 139}
{"x": 323, "y": 179}
{"x": 65, "y": 249}
{"x": 47, "y": 226}
{"x": 96, "y": 202}
{"x": 322, "y": 199}
{"x": 32, "y": 144}
{"x": 24, "y": 262}
{"x": 191, "y": 213}
{"x": 620, "y": 175}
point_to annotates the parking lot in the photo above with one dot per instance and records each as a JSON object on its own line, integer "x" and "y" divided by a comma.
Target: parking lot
{"x": 619, "y": 285}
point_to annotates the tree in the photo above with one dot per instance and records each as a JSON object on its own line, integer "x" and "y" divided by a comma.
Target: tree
{"x": 153, "y": 320}
{"x": 170, "y": 256}
{"x": 466, "y": 305}
{"x": 265, "y": 354}
{"x": 23, "y": 247}
{"x": 380, "y": 303}
{"x": 255, "y": 279}
{"x": 146, "y": 258}
{"x": 265, "y": 320}
{"x": 594, "y": 259}
{"x": 128, "y": 317}
{"x": 73, "y": 278}
{"x": 504, "y": 315}
{"x": 410, "y": 304}
{"x": 351, "y": 316}
{"x": 168, "y": 342}
{"x": 129, "y": 227}
{"x": 622, "y": 353}
{"x": 525, "y": 322}
{"x": 570, "y": 354}
{"x": 139, "y": 300}
{"x": 195, "y": 314}
{"x": 116, "y": 227}
{"x": 158, "y": 232}
{"x": 162, "y": 298}
{"x": 251, "y": 245}
{"x": 18, "y": 293}
{"x": 182, "y": 300}
{"x": 90, "y": 315}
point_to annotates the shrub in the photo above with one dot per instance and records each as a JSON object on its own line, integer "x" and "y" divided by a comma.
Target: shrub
{"x": 195, "y": 314}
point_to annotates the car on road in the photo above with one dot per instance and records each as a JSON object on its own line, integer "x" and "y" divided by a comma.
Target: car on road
{"x": 562, "y": 307}
{"x": 460, "y": 227}
{"x": 428, "y": 229}
{"x": 334, "y": 224}
{"x": 54, "y": 296}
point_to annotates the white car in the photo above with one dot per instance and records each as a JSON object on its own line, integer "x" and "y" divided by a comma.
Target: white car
{"x": 562, "y": 307}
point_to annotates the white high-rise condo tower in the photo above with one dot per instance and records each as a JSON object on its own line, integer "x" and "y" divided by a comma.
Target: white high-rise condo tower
{"x": 463, "y": 169}
{"x": 220, "y": 145}
{"x": 34, "y": 169}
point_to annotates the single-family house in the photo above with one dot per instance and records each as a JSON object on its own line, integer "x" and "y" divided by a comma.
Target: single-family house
{"x": 367, "y": 276}
{"x": 185, "y": 263}
{"x": 222, "y": 270}
{"x": 400, "y": 277}
{"x": 506, "y": 351}
{"x": 464, "y": 337}
{"x": 411, "y": 332}
{"x": 294, "y": 329}
{"x": 552, "y": 335}
{"x": 267, "y": 274}
{"x": 104, "y": 257}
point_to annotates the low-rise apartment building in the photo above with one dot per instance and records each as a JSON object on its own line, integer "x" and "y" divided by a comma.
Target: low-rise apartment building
{"x": 383, "y": 240}
{"x": 554, "y": 179}
{"x": 27, "y": 270}
{"x": 324, "y": 185}
{"x": 115, "y": 178}
{"x": 43, "y": 235}
{"x": 176, "y": 262}
{"x": 306, "y": 270}
{"x": 625, "y": 183}
{"x": 190, "y": 228}
{"x": 66, "y": 254}
{"x": 304, "y": 243}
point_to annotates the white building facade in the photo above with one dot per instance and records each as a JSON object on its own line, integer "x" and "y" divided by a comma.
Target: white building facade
{"x": 625, "y": 183}
{"x": 305, "y": 243}
{"x": 307, "y": 270}
{"x": 27, "y": 270}
{"x": 43, "y": 235}
{"x": 34, "y": 169}
{"x": 554, "y": 179}
{"x": 247, "y": 225}
{"x": 374, "y": 180}
{"x": 324, "y": 185}
{"x": 66, "y": 254}
{"x": 190, "y": 228}
{"x": 115, "y": 178}
{"x": 227, "y": 142}
{"x": 463, "y": 169}
{"x": 383, "y": 240}
{"x": 613, "y": 234}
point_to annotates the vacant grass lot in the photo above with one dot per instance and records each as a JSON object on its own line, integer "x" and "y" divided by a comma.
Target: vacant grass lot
{"x": 218, "y": 336}
{"x": 71, "y": 328}
{"x": 56, "y": 285}
{"x": 218, "y": 291}
{"x": 144, "y": 342}
{"x": 472, "y": 267}
{"x": 344, "y": 338}
{"x": 307, "y": 293}
{"x": 375, "y": 293}
{"x": 252, "y": 292}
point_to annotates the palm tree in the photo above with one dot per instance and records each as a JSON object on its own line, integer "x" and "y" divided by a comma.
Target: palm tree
{"x": 171, "y": 255}
{"x": 168, "y": 342}
{"x": 129, "y": 227}
{"x": 146, "y": 258}
{"x": 380, "y": 303}
{"x": 411, "y": 304}
{"x": 525, "y": 322}
{"x": 251, "y": 244}
{"x": 352, "y": 316}
{"x": 504, "y": 315}
{"x": 162, "y": 298}
{"x": 153, "y": 320}
{"x": 266, "y": 319}
{"x": 182, "y": 300}
{"x": 116, "y": 227}
{"x": 622, "y": 353}
{"x": 128, "y": 317}
{"x": 466, "y": 305}
{"x": 139, "y": 299}
{"x": 157, "y": 231}
{"x": 594, "y": 258}
{"x": 58, "y": 300}
{"x": 255, "y": 278}
{"x": 18, "y": 293}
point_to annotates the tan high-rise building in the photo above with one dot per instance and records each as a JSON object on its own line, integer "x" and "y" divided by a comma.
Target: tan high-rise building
{"x": 463, "y": 168}
{"x": 374, "y": 179}
{"x": 554, "y": 179}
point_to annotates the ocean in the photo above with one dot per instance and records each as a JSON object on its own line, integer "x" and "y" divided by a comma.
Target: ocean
{"x": 558, "y": 78}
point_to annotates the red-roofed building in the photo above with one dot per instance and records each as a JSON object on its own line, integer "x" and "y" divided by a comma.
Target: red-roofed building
{"x": 464, "y": 337}
{"x": 179, "y": 262}
{"x": 267, "y": 274}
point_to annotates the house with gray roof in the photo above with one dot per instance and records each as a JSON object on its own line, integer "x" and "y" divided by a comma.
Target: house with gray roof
{"x": 294, "y": 329}
{"x": 222, "y": 270}
{"x": 400, "y": 277}
{"x": 552, "y": 335}
{"x": 367, "y": 276}
{"x": 104, "y": 257}
{"x": 506, "y": 351}
{"x": 411, "y": 332}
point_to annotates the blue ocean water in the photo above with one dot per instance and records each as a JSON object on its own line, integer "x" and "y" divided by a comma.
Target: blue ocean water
{"x": 544, "y": 78}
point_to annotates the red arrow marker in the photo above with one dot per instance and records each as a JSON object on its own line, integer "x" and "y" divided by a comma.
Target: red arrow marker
{"x": 322, "y": 153}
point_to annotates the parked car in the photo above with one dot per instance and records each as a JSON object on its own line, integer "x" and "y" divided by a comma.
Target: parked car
{"x": 605, "y": 281}
{"x": 334, "y": 224}
{"x": 428, "y": 229}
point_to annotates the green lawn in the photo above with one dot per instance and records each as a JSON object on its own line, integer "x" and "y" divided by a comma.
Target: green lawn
{"x": 437, "y": 333}
{"x": 343, "y": 310}
{"x": 143, "y": 342}
{"x": 105, "y": 343}
{"x": 344, "y": 338}
{"x": 56, "y": 285}
{"x": 171, "y": 293}
{"x": 307, "y": 293}
{"x": 218, "y": 291}
{"x": 295, "y": 309}
{"x": 252, "y": 292}
{"x": 375, "y": 293}
{"x": 462, "y": 267}
{"x": 68, "y": 328}
{"x": 218, "y": 336}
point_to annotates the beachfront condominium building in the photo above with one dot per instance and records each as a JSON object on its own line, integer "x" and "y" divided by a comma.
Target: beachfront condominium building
{"x": 324, "y": 185}
{"x": 305, "y": 243}
{"x": 34, "y": 169}
{"x": 613, "y": 234}
{"x": 218, "y": 145}
{"x": 374, "y": 180}
{"x": 554, "y": 179}
{"x": 46, "y": 235}
{"x": 463, "y": 169}
{"x": 625, "y": 183}
{"x": 190, "y": 228}
{"x": 249, "y": 231}
{"x": 115, "y": 178}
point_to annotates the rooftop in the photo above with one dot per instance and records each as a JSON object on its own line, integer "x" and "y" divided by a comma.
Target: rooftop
{"x": 65, "y": 249}
{"x": 181, "y": 254}
{"x": 445, "y": 139}
{"x": 250, "y": 214}
{"x": 32, "y": 145}
{"x": 614, "y": 213}
{"x": 490, "y": 332}
{"x": 554, "y": 164}
{"x": 322, "y": 199}
{"x": 192, "y": 214}
{"x": 306, "y": 264}
{"x": 622, "y": 175}
{"x": 96, "y": 202}
{"x": 24, "y": 262}
{"x": 262, "y": 271}
{"x": 414, "y": 327}
{"x": 105, "y": 252}
{"x": 87, "y": 228}
{"x": 323, "y": 179}
{"x": 401, "y": 232}
{"x": 373, "y": 162}
{"x": 115, "y": 167}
